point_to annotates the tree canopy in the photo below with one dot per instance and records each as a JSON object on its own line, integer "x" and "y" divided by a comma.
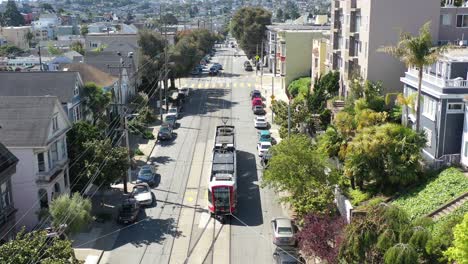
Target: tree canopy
{"x": 459, "y": 251}
{"x": 10, "y": 50}
{"x": 248, "y": 26}
{"x": 96, "y": 100}
{"x": 152, "y": 46}
{"x": 169, "y": 19}
{"x": 299, "y": 169}
{"x": 74, "y": 211}
{"x": 12, "y": 17}
{"x": 386, "y": 154}
{"x": 78, "y": 47}
{"x": 27, "y": 247}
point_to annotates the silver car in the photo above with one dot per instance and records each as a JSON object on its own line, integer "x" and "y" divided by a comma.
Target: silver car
{"x": 283, "y": 231}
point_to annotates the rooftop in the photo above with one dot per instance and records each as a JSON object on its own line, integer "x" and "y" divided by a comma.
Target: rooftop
{"x": 457, "y": 54}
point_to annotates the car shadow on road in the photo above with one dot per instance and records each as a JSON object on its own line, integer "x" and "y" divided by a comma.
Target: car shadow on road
{"x": 249, "y": 207}
{"x": 161, "y": 160}
{"x": 147, "y": 231}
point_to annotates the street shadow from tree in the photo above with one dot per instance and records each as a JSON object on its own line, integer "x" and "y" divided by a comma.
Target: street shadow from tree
{"x": 147, "y": 232}
{"x": 249, "y": 207}
{"x": 168, "y": 143}
{"x": 210, "y": 100}
{"x": 160, "y": 160}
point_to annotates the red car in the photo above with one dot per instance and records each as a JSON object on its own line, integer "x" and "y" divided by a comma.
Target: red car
{"x": 257, "y": 101}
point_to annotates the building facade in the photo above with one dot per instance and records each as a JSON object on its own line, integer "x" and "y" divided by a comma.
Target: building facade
{"x": 34, "y": 130}
{"x": 361, "y": 27}
{"x": 16, "y": 35}
{"x": 444, "y": 87}
{"x": 8, "y": 163}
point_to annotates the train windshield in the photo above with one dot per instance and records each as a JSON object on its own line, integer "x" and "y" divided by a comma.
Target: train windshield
{"x": 221, "y": 199}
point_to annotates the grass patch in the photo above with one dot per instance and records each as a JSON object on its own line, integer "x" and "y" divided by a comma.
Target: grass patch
{"x": 437, "y": 191}
{"x": 358, "y": 196}
{"x": 148, "y": 135}
{"x": 138, "y": 152}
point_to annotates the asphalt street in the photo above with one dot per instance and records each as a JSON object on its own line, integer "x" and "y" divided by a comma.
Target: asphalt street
{"x": 178, "y": 228}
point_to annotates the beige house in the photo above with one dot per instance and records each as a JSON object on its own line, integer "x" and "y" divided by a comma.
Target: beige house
{"x": 16, "y": 35}
{"x": 319, "y": 55}
{"x": 292, "y": 47}
{"x": 361, "y": 27}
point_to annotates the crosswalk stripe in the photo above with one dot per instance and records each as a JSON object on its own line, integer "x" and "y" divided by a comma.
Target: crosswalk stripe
{"x": 192, "y": 85}
{"x": 200, "y": 85}
{"x": 235, "y": 84}
{"x": 207, "y": 85}
{"x": 249, "y": 85}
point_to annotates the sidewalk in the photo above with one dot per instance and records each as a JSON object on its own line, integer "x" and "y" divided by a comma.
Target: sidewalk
{"x": 267, "y": 87}
{"x": 90, "y": 244}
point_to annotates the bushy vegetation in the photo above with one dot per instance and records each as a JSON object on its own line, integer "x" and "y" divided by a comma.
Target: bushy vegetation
{"x": 300, "y": 86}
{"x": 437, "y": 191}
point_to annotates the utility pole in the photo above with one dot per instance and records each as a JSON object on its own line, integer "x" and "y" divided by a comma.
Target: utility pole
{"x": 40, "y": 57}
{"x": 289, "y": 116}
{"x": 261, "y": 66}
{"x": 273, "y": 79}
{"x": 256, "y": 62}
{"x": 123, "y": 117}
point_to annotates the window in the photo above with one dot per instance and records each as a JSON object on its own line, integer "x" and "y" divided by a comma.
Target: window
{"x": 428, "y": 134}
{"x": 55, "y": 123}
{"x": 77, "y": 113}
{"x": 445, "y": 19}
{"x": 41, "y": 161}
{"x": 64, "y": 148}
{"x": 65, "y": 178}
{"x": 465, "y": 153}
{"x": 462, "y": 20}
{"x": 5, "y": 196}
{"x": 210, "y": 197}
{"x": 76, "y": 91}
{"x": 53, "y": 154}
{"x": 429, "y": 107}
{"x": 454, "y": 107}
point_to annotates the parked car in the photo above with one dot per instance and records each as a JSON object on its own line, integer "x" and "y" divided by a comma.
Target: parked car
{"x": 287, "y": 256}
{"x": 165, "y": 132}
{"x": 170, "y": 120}
{"x": 128, "y": 211}
{"x": 257, "y": 101}
{"x": 218, "y": 66}
{"x": 213, "y": 71}
{"x": 142, "y": 193}
{"x": 255, "y": 94}
{"x": 185, "y": 91}
{"x": 246, "y": 63}
{"x": 147, "y": 173}
{"x": 248, "y": 67}
{"x": 196, "y": 71}
{"x": 258, "y": 110}
{"x": 263, "y": 147}
{"x": 283, "y": 231}
{"x": 173, "y": 111}
{"x": 260, "y": 122}
{"x": 264, "y": 136}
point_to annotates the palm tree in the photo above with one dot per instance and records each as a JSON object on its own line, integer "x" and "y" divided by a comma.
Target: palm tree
{"x": 416, "y": 51}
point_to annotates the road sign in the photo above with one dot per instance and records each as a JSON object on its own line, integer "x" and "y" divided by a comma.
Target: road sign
{"x": 257, "y": 57}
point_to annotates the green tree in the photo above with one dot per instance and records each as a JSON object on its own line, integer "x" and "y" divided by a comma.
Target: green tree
{"x": 298, "y": 168}
{"x": 279, "y": 15}
{"x": 109, "y": 163}
{"x": 299, "y": 86}
{"x": 291, "y": 10}
{"x": 12, "y": 17}
{"x": 53, "y": 50}
{"x": 384, "y": 235}
{"x": 10, "y": 50}
{"x": 388, "y": 155}
{"x": 29, "y": 37}
{"x": 84, "y": 30}
{"x": 416, "y": 51}
{"x": 152, "y": 46}
{"x": 47, "y": 7}
{"x": 78, "y": 47}
{"x": 248, "y": 26}
{"x": 169, "y": 19}
{"x": 74, "y": 211}
{"x": 80, "y": 133}
{"x": 96, "y": 101}
{"x": 459, "y": 251}
{"x": 25, "y": 246}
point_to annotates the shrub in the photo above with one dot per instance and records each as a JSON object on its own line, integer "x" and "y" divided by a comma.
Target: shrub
{"x": 357, "y": 196}
{"x": 299, "y": 86}
{"x": 148, "y": 135}
{"x": 138, "y": 152}
{"x": 422, "y": 200}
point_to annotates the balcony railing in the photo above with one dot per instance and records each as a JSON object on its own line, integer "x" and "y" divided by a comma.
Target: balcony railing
{"x": 448, "y": 83}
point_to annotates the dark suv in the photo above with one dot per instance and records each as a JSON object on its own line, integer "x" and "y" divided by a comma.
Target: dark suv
{"x": 165, "y": 132}
{"x": 128, "y": 212}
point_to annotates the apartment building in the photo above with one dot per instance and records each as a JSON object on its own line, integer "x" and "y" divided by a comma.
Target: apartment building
{"x": 444, "y": 89}
{"x": 453, "y": 26}
{"x": 319, "y": 55}
{"x": 291, "y": 43}
{"x": 361, "y": 27}
{"x": 16, "y": 35}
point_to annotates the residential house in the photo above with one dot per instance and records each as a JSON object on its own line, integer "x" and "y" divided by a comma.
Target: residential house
{"x": 46, "y": 26}
{"x": 34, "y": 130}
{"x": 67, "y": 86}
{"x": 453, "y": 26}
{"x": 33, "y": 63}
{"x": 8, "y": 163}
{"x": 292, "y": 43}
{"x": 16, "y": 35}
{"x": 444, "y": 87}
